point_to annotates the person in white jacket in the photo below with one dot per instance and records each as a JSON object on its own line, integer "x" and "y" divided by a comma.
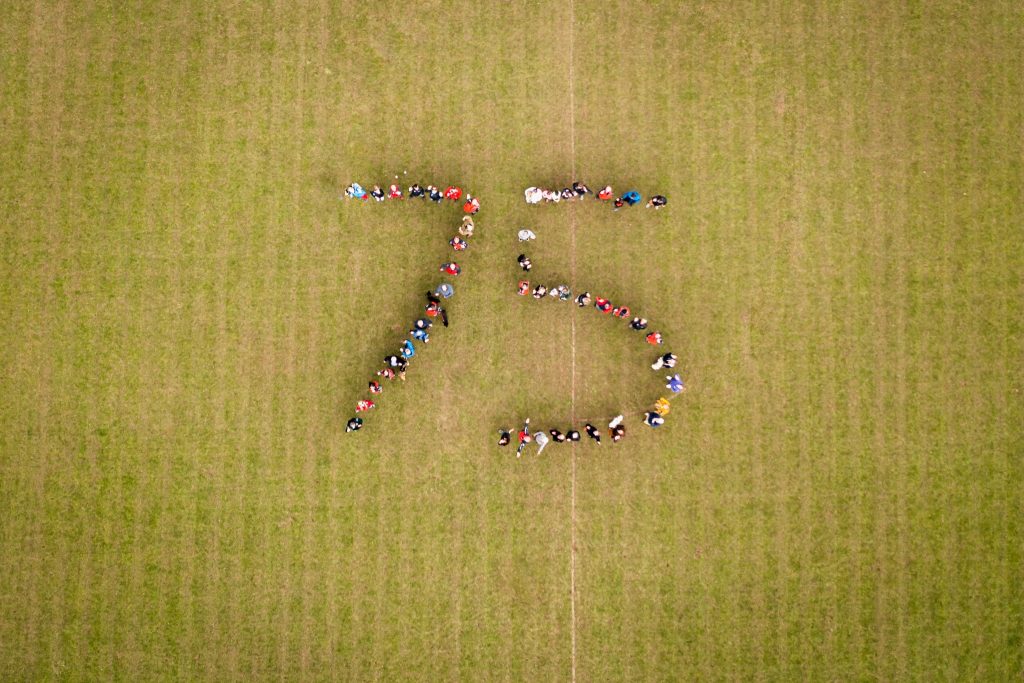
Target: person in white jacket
{"x": 542, "y": 440}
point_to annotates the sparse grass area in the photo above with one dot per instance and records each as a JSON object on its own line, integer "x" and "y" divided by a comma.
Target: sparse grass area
{"x": 188, "y": 313}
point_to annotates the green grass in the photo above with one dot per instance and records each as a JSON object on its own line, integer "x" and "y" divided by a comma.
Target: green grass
{"x": 188, "y": 314}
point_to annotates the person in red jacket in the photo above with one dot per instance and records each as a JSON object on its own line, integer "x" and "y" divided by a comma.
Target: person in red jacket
{"x": 606, "y": 193}
{"x": 453, "y": 193}
{"x": 524, "y": 437}
{"x": 654, "y": 338}
{"x": 603, "y": 305}
{"x": 394, "y": 192}
{"x": 472, "y": 205}
{"x": 452, "y": 268}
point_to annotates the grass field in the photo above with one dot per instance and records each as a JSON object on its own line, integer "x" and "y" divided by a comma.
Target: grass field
{"x": 188, "y": 313}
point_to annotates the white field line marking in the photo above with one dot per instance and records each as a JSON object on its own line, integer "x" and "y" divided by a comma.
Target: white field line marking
{"x": 572, "y": 318}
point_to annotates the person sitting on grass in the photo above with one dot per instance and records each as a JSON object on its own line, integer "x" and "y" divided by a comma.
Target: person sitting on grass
{"x": 580, "y": 190}
{"x": 652, "y": 419}
{"x": 657, "y": 201}
{"x": 666, "y": 361}
{"x": 616, "y": 433}
{"x": 541, "y": 439}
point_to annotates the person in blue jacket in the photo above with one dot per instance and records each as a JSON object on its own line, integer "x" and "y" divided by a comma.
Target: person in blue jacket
{"x": 632, "y": 197}
{"x": 355, "y": 191}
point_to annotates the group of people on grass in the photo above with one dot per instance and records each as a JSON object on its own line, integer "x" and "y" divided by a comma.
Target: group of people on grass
{"x": 396, "y": 364}
{"x": 434, "y": 193}
{"x": 578, "y": 190}
{"x": 616, "y": 430}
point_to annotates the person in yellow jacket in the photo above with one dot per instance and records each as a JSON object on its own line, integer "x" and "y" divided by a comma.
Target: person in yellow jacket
{"x": 662, "y": 406}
